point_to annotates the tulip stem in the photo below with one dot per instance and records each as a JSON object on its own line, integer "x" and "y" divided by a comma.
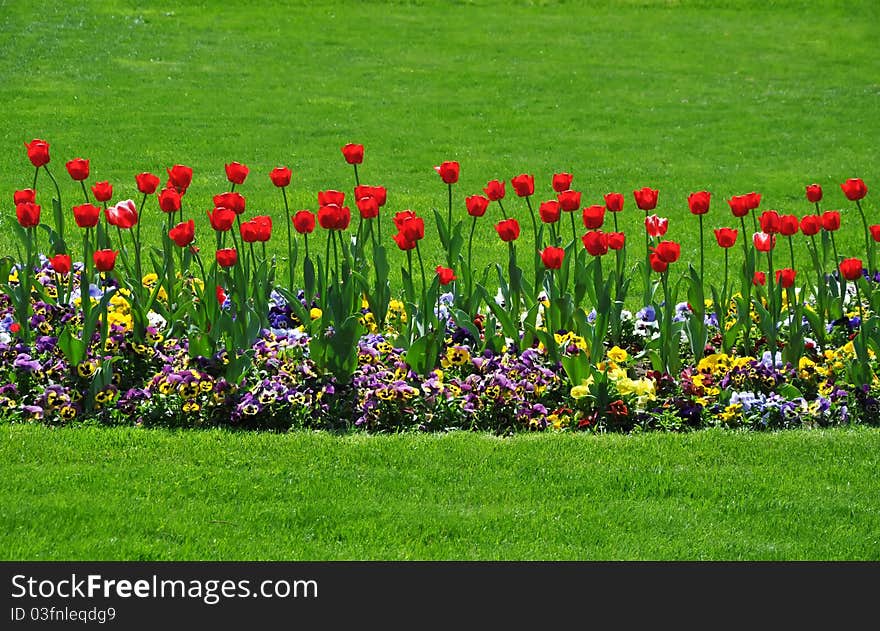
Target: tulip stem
{"x": 574, "y": 236}
{"x": 85, "y": 192}
{"x": 501, "y": 206}
{"x": 791, "y": 251}
{"x": 288, "y": 221}
{"x": 470, "y": 265}
{"x": 868, "y": 249}
{"x": 424, "y": 282}
{"x": 747, "y": 321}
{"x": 357, "y": 181}
{"x": 702, "y": 255}
{"x": 771, "y": 283}
{"x": 326, "y": 269}
{"x": 36, "y": 173}
{"x": 841, "y": 279}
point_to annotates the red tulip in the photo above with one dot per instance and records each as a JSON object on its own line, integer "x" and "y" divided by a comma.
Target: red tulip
{"x": 569, "y": 201}
{"x": 86, "y": 215}
{"x": 562, "y": 182}
{"x": 657, "y": 263}
{"x": 409, "y": 225}
{"x": 788, "y": 225}
{"x": 38, "y": 152}
{"x": 326, "y": 198}
{"x": 183, "y": 233}
{"x": 616, "y": 240}
{"x": 147, "y": 183}
{"x": 814, "y": 193}
{"x": 104, "y": 260}
{"x": 549, "y": 211}
{"x": 221, "y": 295}
{"x": 811, "y": 224}
{"x": 851, "y": 268}
{"x": 236, "y": 172}
{"x": 759, "y": 278}
{"x": 614, "y": 202}
{"x": 78, "y": 168}
{"x": 304, "y": 221}
{"x": 669, "y": 251}
{"x": 770, "y": 222}
{"x": 552, "y": 257}
{"x": 476, "y": 205}
{"x": 180, "y": 177}
{"x": 726, "y": 237}
{"x": 753, "y": 200}
{"x": 445, "y": 274}
{"x": 353, "y": 154}
{"x": 593, "y": 217}
{"x": 448, "y": 171}
{"x": 123, "y": 215}
{"x": 368, "y": 207}
{"x": 233, "y": 201}
{"x": 764, "y": 242}
{"x": 379, "y": 193}
{"x": 333, "y": 217}
{"x": 103, "y": 191}
{"x": 875, "y": 232}
{"x": 646, "y": 198}
{"x": 494, "y": 190}
{"x": 169, "y": 200}
{"x": 596, "y": 242}
{"x": 656, "y": 226}
{"x": 523, "y": 184}
{"x": 785, "y": 277}
{"x": 248, "y": 230}
{"x": 699, "y": 202}
{"x": 28, "y": 214}
{"x": 227, "y": 257}
{"x": 27, "y": 195}
{"x": 61, "y": 263}
{"x": 280, "y": 176}
{"x": 508, "y": 229}
{"x": 854, "y": 189}
{"x": 264, "y": 227}
{"x": 831, "y": 220}
{"x": 402, "y": 242}
{"x": 739, "y": 205}
{"x": 221, "y": 218}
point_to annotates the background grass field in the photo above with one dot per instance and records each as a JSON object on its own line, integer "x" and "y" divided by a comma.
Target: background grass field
{"x": 680, "y": 96}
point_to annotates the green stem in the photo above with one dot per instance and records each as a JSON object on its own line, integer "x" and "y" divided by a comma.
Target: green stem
{"x": 501, "y": 206}
{"x": 470, "y": 264}
{"x": 869, "y": 251}
{"x": 791, "y": 252}
{"x": 771, "y": 283}
{"x": 841, "y": 279}
{"x": 288, "y": 221}
{"x": 424, "y": 281}
{"x": 36, "y": 173}
{"x": 702, "y": 255}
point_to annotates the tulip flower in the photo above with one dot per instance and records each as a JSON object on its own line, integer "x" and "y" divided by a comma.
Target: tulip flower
{"x": 105, "y": 260}
{"x": 596, "y": 242}
{"x": 180, "y": 177}
{"x": 169, "y": 200}
{"x": 616, "y": 240}
{"x": 27, "y": 195}
{"x": 227, "y": 257}
{"x": 476, "y": 205}
{"x": 123, "y": 215}
{"x": 646, "y": 198}
{"x": 831, "y": 220}
{"x": 183, "y": 233}
{"x": 221, "y": 219}
{"x": 523, "y": 185}
{"x": 726, "y": 237}
{"x": 102, "y": 191}
{"x": 593, "y": 217}
{"x": 854, "y": 189}
{"x": 759, "y": 279}
{"x": 552, "y": 257}
{"x": 851, "y": 268}
{"x": 614, "y": 202}
{"x": 508, "y": 230}
{"x": 814, "y": 193}
{"x": 764, "y": 242}
{"x": 550, "y": 211}
{"x": 368, "y": 207}
{"x": 562, "y": 181}
{"x": 231, "y": 200}
{"x": 353, "y": 153}
{"x": 304, "y": 222}
{"x": 147, "y": 183}
{"x": 61, "y": 263}
{"x": 698, "y": 203}
{"x": 280, "y": 176}
{"x": 331, "y": 197}
{"x": 445, "y": 275}
{"x": 78, "y": 168}
{"x": 656, "y": 226}
{"x": 448, "y": 171}
{"x": 334, "y": 217}
{"x": 236, "y": 173}
{"x": 86, "y": 215}
{"x": 785, "y": 277}
{"x": 770, "y": 222}
{"x": 569, "y": 200}
{"x": 28, "y": 214}
{"x": 38, "y": 152}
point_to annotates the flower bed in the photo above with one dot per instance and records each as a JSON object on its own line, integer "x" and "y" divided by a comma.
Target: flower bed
{"x": 321, "y": 340}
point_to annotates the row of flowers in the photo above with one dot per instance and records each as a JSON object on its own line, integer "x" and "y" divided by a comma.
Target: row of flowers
{"x": 116, "y": 331}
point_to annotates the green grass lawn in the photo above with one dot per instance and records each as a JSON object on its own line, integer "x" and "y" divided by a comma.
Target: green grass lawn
{"x": 97, "y": 493}
{"x": 679, "y": 96}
